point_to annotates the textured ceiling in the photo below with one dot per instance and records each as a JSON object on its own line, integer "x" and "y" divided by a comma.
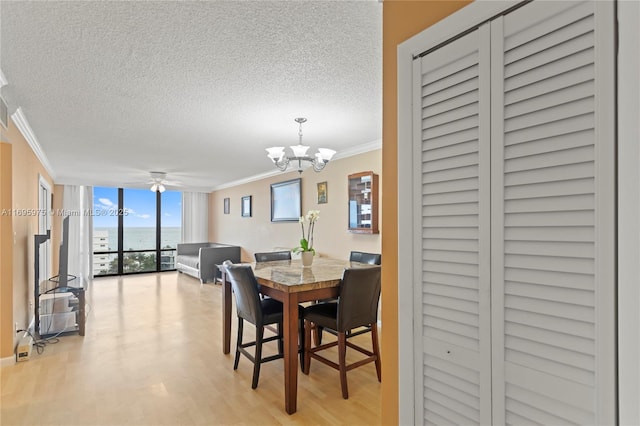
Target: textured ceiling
{"x": 113, "y": 90}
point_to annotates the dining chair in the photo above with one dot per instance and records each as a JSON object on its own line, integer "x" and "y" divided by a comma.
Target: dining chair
{"x": 357, "y": 306}
{"x": 354, "y": 256}
{"x": 259, "y": 312}
{"x": 272, "y": 255}
{"x": 268, "y": 257}
{"x": 363, "y": 257}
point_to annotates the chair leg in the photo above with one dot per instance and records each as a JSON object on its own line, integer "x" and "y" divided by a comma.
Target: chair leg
{"x": 307, "y": 347}
{"x": 257, "y": 356}
{"x": 342, "y": 355}
{"x": 238, "y": 344}
{"x": 301, "y": 344}
{"x": 280, "y": 341}
{"x": 318, "y": 334}
{"x": 376, "y": 349}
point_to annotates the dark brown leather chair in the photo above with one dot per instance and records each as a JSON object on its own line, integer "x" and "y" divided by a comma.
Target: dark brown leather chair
{"x": 357, "y": 306}
{"x": 363, "y": 257}
{"x": 260, "y": 312}
{"x": 354, "y": 256}
{"x": 272, "y": 255}
{"x": 244, "y": 276}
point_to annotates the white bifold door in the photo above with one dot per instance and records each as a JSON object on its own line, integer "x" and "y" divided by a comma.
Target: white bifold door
{"x": 513, "y": 230}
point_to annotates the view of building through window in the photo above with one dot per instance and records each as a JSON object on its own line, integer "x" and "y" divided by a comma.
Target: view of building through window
{"x": 148, "y": 223}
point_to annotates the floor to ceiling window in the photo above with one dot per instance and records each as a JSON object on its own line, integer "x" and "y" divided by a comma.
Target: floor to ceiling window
{"x": 135, "y": 230}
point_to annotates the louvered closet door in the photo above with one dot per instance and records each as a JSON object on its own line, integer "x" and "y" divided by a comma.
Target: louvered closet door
{"x": 451, "y": 128}
{"x": 552, "y": 215}
{"x": 514, "y": 187}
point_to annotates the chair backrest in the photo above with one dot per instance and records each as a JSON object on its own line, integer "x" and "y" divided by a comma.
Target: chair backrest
{"x": 245, "y": 288}
{"x": 273, "y": 255}
{"x": 359, "y": 297}
{"x": 362, "y": 257}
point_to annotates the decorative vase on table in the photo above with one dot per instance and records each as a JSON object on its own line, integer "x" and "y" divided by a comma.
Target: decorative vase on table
{"x": 306, "y": 243}
{"x": 307, "y": 258}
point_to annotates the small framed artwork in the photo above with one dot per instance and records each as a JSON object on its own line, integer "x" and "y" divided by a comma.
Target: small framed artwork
{"x": 286, "y": 201}
{"x": 227, "y": 203}
{"x": 246, "y": 206}
{"x": 322, "y": 193}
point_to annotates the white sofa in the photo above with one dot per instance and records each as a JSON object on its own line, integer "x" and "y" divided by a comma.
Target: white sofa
{"x": 200, "y": 259}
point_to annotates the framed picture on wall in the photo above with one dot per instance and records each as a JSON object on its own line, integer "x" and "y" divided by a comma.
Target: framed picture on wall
{"x": 286, "y": 202}
{"x": 246, "y": 206}
{"x": 227, "y": 205}
{"x": 322, "y": 193}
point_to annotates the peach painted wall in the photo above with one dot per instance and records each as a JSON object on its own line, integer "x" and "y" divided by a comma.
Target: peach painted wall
{"x": 24, "y": 184}
{"x": 400, "y": 21}
{"x": 6, "y": 252}
{"x": 257, "y": 233}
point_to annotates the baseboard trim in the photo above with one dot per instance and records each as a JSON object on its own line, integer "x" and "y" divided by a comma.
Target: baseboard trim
{"x": 8, "y": 361}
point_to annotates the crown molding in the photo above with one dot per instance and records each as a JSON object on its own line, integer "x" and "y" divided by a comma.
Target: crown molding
{"x": 247, "y": 180}
{"x": 22, "y": 124}
{"x": 359, "y": 149}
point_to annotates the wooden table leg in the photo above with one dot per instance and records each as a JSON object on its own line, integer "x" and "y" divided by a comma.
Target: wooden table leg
{"x": 290, "y": 325}
{"x": 226, "y": 313}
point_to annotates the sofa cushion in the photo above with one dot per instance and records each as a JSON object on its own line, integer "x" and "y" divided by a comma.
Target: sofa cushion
{"x": 191, "y": 261}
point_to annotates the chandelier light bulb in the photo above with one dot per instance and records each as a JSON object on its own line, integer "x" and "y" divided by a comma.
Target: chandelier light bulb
{"x": 299, "y": 150}
{"x": 275, "y": 153}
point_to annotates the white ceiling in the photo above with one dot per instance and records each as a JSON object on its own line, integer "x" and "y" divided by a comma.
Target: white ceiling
{"x": 113, "y": 90}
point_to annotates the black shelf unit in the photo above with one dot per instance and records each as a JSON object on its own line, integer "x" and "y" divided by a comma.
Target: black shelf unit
{"x": 73, "y": 295}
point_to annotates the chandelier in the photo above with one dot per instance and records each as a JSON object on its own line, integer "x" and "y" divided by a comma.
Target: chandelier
{"x": 282, "y": 161}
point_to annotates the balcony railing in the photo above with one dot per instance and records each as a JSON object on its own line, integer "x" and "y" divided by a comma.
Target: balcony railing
{"x": 133, "y": 261}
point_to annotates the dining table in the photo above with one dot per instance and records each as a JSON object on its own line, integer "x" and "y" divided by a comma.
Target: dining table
{"x": 291, "y": 283}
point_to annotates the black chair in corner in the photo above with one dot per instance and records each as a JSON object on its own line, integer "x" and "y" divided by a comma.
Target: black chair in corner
{"x": 272, "y": 255}
{"x": 362, "y": 257}
{"x": 357, "y": 306}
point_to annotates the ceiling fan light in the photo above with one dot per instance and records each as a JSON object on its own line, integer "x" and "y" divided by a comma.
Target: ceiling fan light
{"x": 154, "y": 187}
{"x": 161, "y": 188}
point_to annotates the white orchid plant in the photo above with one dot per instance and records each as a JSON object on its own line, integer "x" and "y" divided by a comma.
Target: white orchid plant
{"x": 306, "y": 243}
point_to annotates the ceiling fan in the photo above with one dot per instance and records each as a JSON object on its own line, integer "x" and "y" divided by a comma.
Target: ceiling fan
{"x": 158, "y": 181}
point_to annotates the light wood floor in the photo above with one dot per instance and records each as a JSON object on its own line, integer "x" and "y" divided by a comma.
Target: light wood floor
{"x": 152, "y": 356}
